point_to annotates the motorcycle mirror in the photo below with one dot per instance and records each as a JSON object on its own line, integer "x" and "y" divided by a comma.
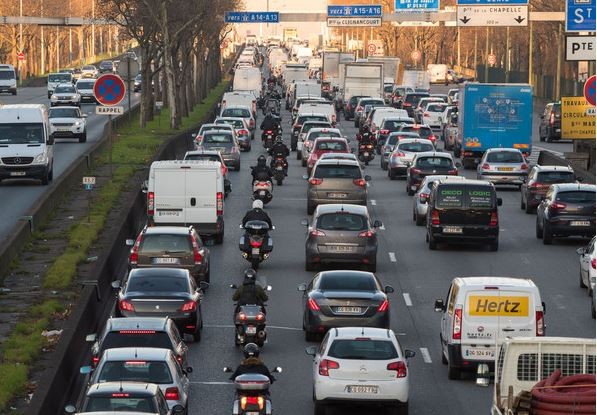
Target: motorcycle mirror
{"x": 227, "y": 370}
{"x": 115, "y": 284}
{"x": 203, "y": 285}
{"x": 302, "y": 287}
{"x": 268, "y": 288}
{"x": 278, "y": 369}
{"x": 233, "y": 286}
{"x": 70, "y": 409}
{"x": 367, "y": 178}
{"x": 304, "y": 222}
{"x": 240, "y": 226}
{"x": 305, "y": 177}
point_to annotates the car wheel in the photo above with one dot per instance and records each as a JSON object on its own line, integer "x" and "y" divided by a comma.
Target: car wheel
{"x": 45, "y": 180}
{"x": 384, "y": 166}
{"x": 494, "y": 245}
{"x": 541, "y": 137}
{"x": 522, "y": 205}
{"x": 538, "y": 230}
{"x": 414, "y": 215}
{"x": 453, "y": 372}
{"x": 319, "y": 408}
{"x": 528, "y": 209}
{"x": 432, "y": 242}
{"x": 419, "y": 220}
{"x": 237, "y": 168}
{"x": 196, "y": 337}
{"x": 207, "y": 275}
{"x": 409, "y": 191}
{"x": 83, "y": 137}
{"x": 547, "y": 235}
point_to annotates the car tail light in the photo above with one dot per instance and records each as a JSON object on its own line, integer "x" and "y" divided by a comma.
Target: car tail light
{"x": 425, "y": 114}
{"x": 360, "y": 182}
{"x": 384, "y": 132}
{"x": 312, "y": 304}
{"x": 399, "y": 367}
{"x": 493, "y": 221}
{"x": 179, "y": 359}
{"x": 366, "y": 234}
{"x": 317, "y": 233}
{"x": 189, "y": 306}
{"x": 242, "y": 316}
{"x": 224, "y": 169}
{"x": 233, "y": 150}
{"x": 398, "y": 154}
{"x": 134, "y": 255}
{"x": 552, "y": 118}
{"x": 260, "y": 317}
{"x": 124, "y": 305}
{"x": 219, "y": 204}
{"x": 415, "y": 171}
{"x": 315, "y": 181}
{"x": 150, "y": 203}
{"x": 524, "y": 166}
{"x": 537, "y": 185}
{"x": 435, "y": 217}
{"x": 94, "y": 361}
{"x": 197, "y": 257}
{"x": 432, "y": 138}
{"x": 485, "y": 166}
{"x": 457, "y": 328}
{"x": 252, "y": 400}
{"x": 423, "y": 197}
{"x": 453, "y": 172}
{"x": 359, "y": 108}
{"x": 557, "y": 205}
{"x": 326, "y": 365}
{"x": 172, "y": 394}
{"x": 383, "y": 307}
{"x": 539, "y": 323}
{"x": 269, "y": 131}
{"x": 406, "y": 104}
{"x": 243, "y": 132}
{"x": 593, "y": 263}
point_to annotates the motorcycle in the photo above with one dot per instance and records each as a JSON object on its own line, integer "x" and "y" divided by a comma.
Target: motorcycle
{"x": 252, "y": 393}
{"x": 250, "y": 321}
{"x": 268, "y": 138}
{"x": 280, "y": 166}
{"x": 262, "y": 190}
{"x": 256, "y": 244}
{"x": 366, "y": 153}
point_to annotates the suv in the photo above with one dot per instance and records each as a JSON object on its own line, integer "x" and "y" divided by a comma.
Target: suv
{"x": 359, "y": 112}
{"x": 67, "y": 122}
{"x": 106, "y": 67}
{"x": 550, "y": 127}
{"x": 160, "y": 332}
{"x": 463, "y": 211}
{"x": 336, "y": 181}
{"x": 426, "y": 163}
{"x": 85, "y": 90}
{"x": 226, "y": 143}
{"x": 351, "y": 105}
{"x": 65, "y": 94}
{"x": 171, "y": 246}
{"x": 535, "y": 186}
{"x": 568, "y": 209}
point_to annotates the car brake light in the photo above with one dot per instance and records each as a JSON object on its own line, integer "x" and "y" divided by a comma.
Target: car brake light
{"x": 325, "y": 365}
{"x": 359, "y": 108}
{"x": 312, "y": 304}
{"x": 552, "y": 118}
{"x": 398, "y": 154}
{"x": 197, "y": 257}
{"x": 189, "y": 306}
{"x": 360, "y": 182}
{"x": 383, "y": 307}
{"x": 457, "y": 328}
{"x": 224, "y": 169}
{"x": 317, "y": 233}
{"x": 384, "y": 132}
{"x": 406, "y": 104}
{"x": 251, "y": 400}
{"x": 179, "y": 359}
{"x": 243, "y": 132}
{"x": 219, "y": 204}
{"x": 399, "y": 367}
{"x": 539, "y": 323}
{"x": 172, "y": 394}
{"x": 524, "y": 166}
{"x": 124, "y": 305}
{"x": 493, "y": 221}
{"x": 435, "y": 217}
{"x": 366, "y": 234}
{"x": 537, "y": 185}
{"x": 242, "y": 316}
{"x": 269, "y": 131}
{"x": 260, "y": 317}
{"x": 150, "y": 203}
{"x": 558, "y": 205}
{"x": 453, "y": 172}
{"x": 120, "y": 395}
{"x": 425, "y": 114}
{"x": 315, "y": 181}
{"x": 486, "y": 166}
{"x": 423, "y": 197}
{"x": 134, "y": 256}
{"x": 432, "y": 138}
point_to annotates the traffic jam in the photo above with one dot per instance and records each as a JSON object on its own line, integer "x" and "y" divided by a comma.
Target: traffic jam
{"x": 339, "y": 229}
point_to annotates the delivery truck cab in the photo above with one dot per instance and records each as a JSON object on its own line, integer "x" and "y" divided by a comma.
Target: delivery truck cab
{"x": 480, "y": 312}
{"x": 187, "y": 192}
{"x": 8, "y": 79}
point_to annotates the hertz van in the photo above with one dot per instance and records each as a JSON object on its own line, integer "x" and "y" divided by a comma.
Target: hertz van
{"x": 480, "y": 312}
{"x": 187, "y": 192}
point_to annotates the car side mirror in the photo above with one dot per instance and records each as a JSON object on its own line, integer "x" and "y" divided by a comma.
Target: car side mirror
{"x": 388, "y": 289}
{"x": 189, "y": 370}
{"x": 367, "y": 178}
{"x": 91, "y": 338}
{"x": 305, "y": 177}
{"x": 311, "y": 350}
{"x": 268, "y": 288}
{"x": 304, "y": 222}
{"x": 544, "y": 307}
{"x": 115, "y": 285}
{"x": 409, "y": 353}
{"x": 302, "y": 287}
{"x": 129, "y": 242}
{"x": 85, "y": 370}
{"x": 194, "y": 135}
{"x": 377, "y": 224}
{"x": 70, "y": 409}
{"x": 84, "y": 115}
{"x": 581, "y": 251}
{"x": 458, "y": 164}
{"x": 579, "y": 179}
{"x": 499, "y": 201}
{"x": 440, "y": 306}
{"x": 203, "y": 285}
{"x": 227, "y": 370}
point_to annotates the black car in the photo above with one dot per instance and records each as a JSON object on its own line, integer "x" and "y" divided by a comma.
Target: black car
{"x": 162, "y": 292}
{"x": 351, "y": 105}
{"x": 106, "y": 67}
{"x": 411, "y": 100}
{"x": 463, "y": 211}
{"x": 158, "y": 332}
{"x": 344, "y": 299}
{"x": 427, "y": 163}
{"x": 567, "y": 210}
{"x": 535, "y": 186}
{"x": 550, "y": 127}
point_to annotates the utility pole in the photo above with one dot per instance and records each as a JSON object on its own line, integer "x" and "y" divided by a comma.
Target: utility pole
{"x": 486, "y": 55}
{"x": 21, "y": 42}
{"x": 507, "y": 54}
{"x": 458, "y": 48}
{"x": 70, "y": 35}
{"x": 559, "y": 63}
{"x": 93, "y": 28}
{"x": 531, "y": 53}
{"x": 475, "y": 56}
{"x": 42, "y": 48}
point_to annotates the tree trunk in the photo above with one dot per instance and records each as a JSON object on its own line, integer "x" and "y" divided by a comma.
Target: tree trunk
{"x": 169, "y": 70}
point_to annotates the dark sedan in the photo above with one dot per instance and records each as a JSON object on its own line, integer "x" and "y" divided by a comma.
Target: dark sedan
{"x": 344, "y": 299}
{"x": 427, "y": 163}
{"x": 535, "y": 186}
{"x": 161, "y": 292}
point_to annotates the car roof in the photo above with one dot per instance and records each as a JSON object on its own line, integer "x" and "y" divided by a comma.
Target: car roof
{"x": 168, "y": 272}
{"x": 331, "y": 162}
{"x": 68, "y": 107}
{"x": 369, "y": 332}
{"x": 482, "y": 281}
{"x": 415, "y": 140}
{"x": 332, "y": 155}
{"x": 433, "y": 154}
{"x": 137, "y": 323}
{"x": 229, "y": 118}
{"x": 324, "y": 129}
{"x": 149, "y": 389}
{"x": 553, "y": 168}
{"x": 245, "y": 107}
{"x": 574, "y": 186}
{"x": 340, "y": 208}
{"x": 443, "y": 178}
{"x": 467, "y": 182}
{"x": 311, "y": 114}
{"x": 159, "y": 230}
{"x": 136, "y": 353}
{"x": 496, "y": 149}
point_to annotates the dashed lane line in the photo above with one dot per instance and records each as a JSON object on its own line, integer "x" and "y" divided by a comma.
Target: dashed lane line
{"x": 392, "y": 256}
{"x": 425, "y": 354}
{"x": 407, "y": 299}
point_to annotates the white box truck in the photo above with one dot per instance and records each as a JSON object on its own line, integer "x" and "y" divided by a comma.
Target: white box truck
{"x": 247, "y": 79}
{"x": 295, "y": 72}
{"x": 438, "y": 73}
{"x": 362, "y": 79}
{"x": 187, "y": 192}
{"x": 391, "y": 65}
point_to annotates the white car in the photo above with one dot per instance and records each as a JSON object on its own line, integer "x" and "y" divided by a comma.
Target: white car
{"x": 310, "y": 137}
{"x": 420, "y": 109}
{"x": 85, "y": 89}
{"x": 360, "y": 364}
{"x": 65, "y": 94}
{"x": 432, "y": 114}
{"x": 68, "y": 122}
{"x": 89, "y": 71}
{"x": 587, "y": 265}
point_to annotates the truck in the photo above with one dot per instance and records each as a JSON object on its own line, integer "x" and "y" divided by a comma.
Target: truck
{"x": 295, "y": 72}
{"x": 415, "y": 79}
{"x": 331, "y": 66}
{"x": 438, "y": 73}
{"x": 494, "y": 115}
{"x": 391, "y": 65}
{"x": 362, "y": 79}
{"x": 247, "y": 79}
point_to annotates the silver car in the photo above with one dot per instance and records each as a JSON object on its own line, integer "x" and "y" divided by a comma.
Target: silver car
{"x": 310, "y": 138}
{"x": 148, "y": 365}
{"x": 503, "y": 166}
{"x": 388, "y": 146}
{"x": 241, "y": 111}
{"x": 422, "y": 195}
{"x": 404, "y": 153}
{"x": 243, "y": 133}
{"x": 226, "y": 143}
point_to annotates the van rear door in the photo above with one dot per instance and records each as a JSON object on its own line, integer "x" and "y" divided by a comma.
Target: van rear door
{"x": 169, "y": 191}
{"x": 201, "y": 184}
{"x": 451, "y": 205}
{"x": 480, "y": 202}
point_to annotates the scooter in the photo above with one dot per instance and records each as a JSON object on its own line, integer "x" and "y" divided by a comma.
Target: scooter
{"x": 250, "y": 321}
{"x": 252, "y": 393}
{"x": 280, "y": 166}
{"x": 262, "y": 190}
{"x": 256, "y": 244}
{"x": 366, "y": 153}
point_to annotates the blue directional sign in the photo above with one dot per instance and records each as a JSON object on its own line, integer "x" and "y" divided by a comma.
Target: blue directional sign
{"x": 252, "y": 17}
{"x": 580, "y": 15}
{"x": 490, "y": 2}
{"x": 366, "y": 10}
{"x": 416, "y": 5}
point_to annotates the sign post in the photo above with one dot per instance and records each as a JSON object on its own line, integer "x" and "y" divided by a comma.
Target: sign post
{"x": 88, "y": 183}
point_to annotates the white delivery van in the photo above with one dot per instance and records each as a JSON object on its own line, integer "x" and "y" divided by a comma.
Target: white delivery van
{"x": 8, "y": 79}
{"x": 438, "y": 73}
{"x": 319, "y": 108}
{"x": 247, "y": 79}
{"x": 242, "y": 98}
{"x": 480, "y": 312}
{"x": 55, "y": 79}
{"x": 26, "y": 146}
{"x": 187, "y": 192}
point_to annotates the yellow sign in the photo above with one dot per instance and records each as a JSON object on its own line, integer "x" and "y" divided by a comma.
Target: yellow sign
{"x": 493, "y": 306}
{"x": 578, "y": 119}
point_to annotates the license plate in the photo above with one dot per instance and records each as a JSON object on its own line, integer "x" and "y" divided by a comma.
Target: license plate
{"x": 251, "y": 330}
{"x": 505, "y": 168}
{"x": 362, "y": 389}
{"x": 485, "y": 353}
{"x": 279, "y": 168}
{"x": 169, "y": 213}
{"x": 337, "y": 195}
{"x": 341, "y": 248}
{"x": 18, "y": 173}
{"x": 262, "y": 193}
{"x": 166, "y": 260}
{"x": 255, "y": 251}
{"x": 350, "y": 310}
{"x": 252, "y": 413}
{"x": 366, "y": 154}
{"x": 580, "y": 223}
{"x": 63, "y": 129}
{"x": 452, "y": 229}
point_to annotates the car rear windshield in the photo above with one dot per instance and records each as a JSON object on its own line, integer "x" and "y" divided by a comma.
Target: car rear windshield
{"x": 167, "y": 243}
{"x": 317, "y": 134}
{"x": 388, "y": 89}
{"x": 474, "y": 197}
{"x": 135, "y": 371}
{"x": 337, "y": 172}
{"x": 434, "y": 162}
{"x": 576, "y": 196}
{"x": 217, "y": 139}
{"x": 331, "y": 146}
{"x": 555, "y": 177}
{"x": 376, "y": 102}
{"x": 342, "y": 222}
{"x": 504, "y": 157}
{"x": 414, "y": 98}
{"x": 423, "y": 132}
{"x": 436, "y": 108}
{"x": 234, "y": 123}
{"x": 157, "y": 284}
{"x": 236, "y": 112}
{"x": 303, "y": 119}
{"x": 347, "y": 282}
{"x": 415, "y": 147}
{"x": 125, "y": 403}
{"x": 308, "y": 126}
{"x": 137, "y": 338}
{"x": 363, "y": 349}
{"x": 393, "y": 125}
{"x": 63, "y": 113}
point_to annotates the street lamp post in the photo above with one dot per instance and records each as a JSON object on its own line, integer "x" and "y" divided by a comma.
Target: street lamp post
{"x": 21, "y": 41}
{"x": 92, "y": 27}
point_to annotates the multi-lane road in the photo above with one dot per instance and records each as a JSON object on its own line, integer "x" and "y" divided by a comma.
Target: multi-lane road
{"x": 19, "y": 196}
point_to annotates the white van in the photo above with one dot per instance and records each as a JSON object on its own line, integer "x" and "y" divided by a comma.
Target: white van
{"x": 320, "y": 108}
{"x": 8, "y": 79}
{"x": 26, "y": 146}
{"x": 480, "y": 312}
{"x": 247, "y": 79}
{"x": 55, "y": 79}
{"x": 187, "y": 192}
{"x": 244, "y": 98}
{"x": 438, "y": 73}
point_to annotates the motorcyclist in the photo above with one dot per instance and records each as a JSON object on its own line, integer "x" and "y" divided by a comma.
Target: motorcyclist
{"x": 269, "y": 123}
{"x": 250, "y": 293}
{"x": 366, "y": 136}
{"x": 262, "y": 172}
{"x": 252, "y": 364}
{"x": 272, "y": 80}
{"x": 279, "y": 149}
{"x": 257, "y": 213}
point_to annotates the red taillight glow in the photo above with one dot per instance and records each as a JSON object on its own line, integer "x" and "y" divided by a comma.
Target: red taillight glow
{"x": 399, "y": 367}
{"x": 457, "y": 328}
{"x": 260, "y": 317}
{"x": 485, "y": 166}
{"x": 383, "y": 307}
{"x": 524, "y": 166}
{"x": 326, "y": 365}
{"x": 189, "y": 306}
{"x": 317, "y": 233}
{"x": 197, "y": 257}
{"x": 243, "y": 132}
{"x": 252, "y": 401}
{"x": 359, "y": 108}
{"x": 312, "y": 304}
{"x": 493, "y": 221}
{"x": 94, "y": 361}
{"x": 136, "y": 332}
{"x": 120, "y": 395}
{"x": 242, "y": 316}
{"x": 415, "y": 171}
{"x": 366, "y": 234}
{"x": 360, "y": 182}
{"x": 172, "y": 394}
{"x": 552, "y": 118}
{"x": 425, "y": 114}
{"x": 593, "y": 263}
{"x": 558, "y": 205}
{"x": 435, "y": 217}
{"x": 150, "y": 203}
{"x": 219, "y": 204}
{"x": 423, "y": 197}
{"x": 255, "y": 244}
{"x": 314, "y": 181}
{"x": 134, "y": 256}
{"x": 384, "y": 132}
{"x": 539, "y": 323}
{"x": 125, "y": 306}
{"x": 453, "y": 172}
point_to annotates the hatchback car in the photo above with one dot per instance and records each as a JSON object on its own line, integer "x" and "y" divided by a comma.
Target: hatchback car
{"x": 550, "y": 126}
{"x": 240, "y": 111}
{"x": 422, "y": 105}
{"x": 411, "y": 100}
{"x": 171, "y": 246}
{"x": 85, "y": 90}
{"x": 314, "y": 133}
{"x": 323, "y": 145}
{"x": 432, "y": 114}
{"x": 89, "y": 71}
{"x": 65, "y": 94}
{"x": 297, "y": 125}
{"x": 421, "y": 197}
{"x": 389, "y": 125}
{"x": 428, "y": 163}
{"x": 403, "y": 154}
{"x": 424, "y": 131}
{"x": 209, "y": 127}
{"x": 147, "y": 365}
{"x": 160, "y": 332}
{"x": 341, "y": 233}
{"x": 243, "y": 134}
{"x": 336, "y": 181}
{"x": 567, "y": 210}
{"x": 306, "y": 127}
{"x": 535, "y": 186}
{"x": 359, "y": 112}
{"x": 587, "y": 266}
{"x": 360, "y": 365}
{"x": 162, "y": 292}
{"x": 68, "y": 122}
{"x": 389, "y": 144}
{"x": 351, "y": 105}
{"x": 226, "y": 143}
{"x": 344, "y": 298}
{"x": 503, "y": 166}
{"x": 399, "y": 93}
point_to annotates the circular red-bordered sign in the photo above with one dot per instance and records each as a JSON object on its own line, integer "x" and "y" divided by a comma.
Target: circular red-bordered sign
{"x": 372, "y": 47}
{"x": 21, "y": 56}
{"x": 589, "y": 90}
{"x": 109, "y": 90}
{"x": 415, "y": 55}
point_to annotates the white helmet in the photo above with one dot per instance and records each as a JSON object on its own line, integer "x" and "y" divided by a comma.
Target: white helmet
{"x": 257, "y": 204}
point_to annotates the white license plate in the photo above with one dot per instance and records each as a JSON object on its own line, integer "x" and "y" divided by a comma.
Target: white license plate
{"x": 255, "y": 251}
{"x": 299, "y": 145}
{"x": 18, "y": 173}
{"x": 337, "y": 195}
{"x": 166, "y": 260}
{"x": 341, "y": 248}
{"x": 262, "y": 193}
{"x": 484, "y": 353}
{"x": 251, "y": 329}
{"x": 351, "y": 310}
{"x": 252, "y": 413}
{"x": 169, "y": 213}
{"x": 580, "y": 223}
{"x": 366, "y": 154}
{"x": 279, "y": 168}
{"x": 452, "y": 229}
{"x": 63, "y": 129}
{"x": 362, "y": 389}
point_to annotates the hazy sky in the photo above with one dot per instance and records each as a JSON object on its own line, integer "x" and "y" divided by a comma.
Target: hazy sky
{"x": 304, "y": 29}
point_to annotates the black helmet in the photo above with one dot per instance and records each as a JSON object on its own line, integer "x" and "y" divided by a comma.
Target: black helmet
{"x": 279, "y": 139}
{"x": 250, "y": 274}
{"x": 251, "y": 350}
{"x": 261, "y": 160}
{"x": 365, "y": 128}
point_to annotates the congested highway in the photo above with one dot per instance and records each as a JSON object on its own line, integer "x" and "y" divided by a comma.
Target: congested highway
{"x": 418, "y": 275}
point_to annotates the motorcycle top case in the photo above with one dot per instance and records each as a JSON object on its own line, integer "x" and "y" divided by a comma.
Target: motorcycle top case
{"x": 243, "y": 244}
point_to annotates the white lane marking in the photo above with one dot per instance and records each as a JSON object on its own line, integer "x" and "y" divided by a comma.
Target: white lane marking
{"x": 525, "y": 260}
{"x": 230, "y": 326}
{"x": 382, "y": 228}
{"x": 407, "y": 299}
{"x": 195, "y": 382}
{"x": 373, "y": 202}
{"x": 392, "y": 256}
{"x": 425, "y": 354}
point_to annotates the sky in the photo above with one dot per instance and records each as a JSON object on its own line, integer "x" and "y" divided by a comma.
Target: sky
{"x": 304, "y": 29}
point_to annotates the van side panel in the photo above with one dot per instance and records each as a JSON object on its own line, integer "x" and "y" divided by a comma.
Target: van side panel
{"x": 201, "y": 189}
{"x": 169, "y": 191}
